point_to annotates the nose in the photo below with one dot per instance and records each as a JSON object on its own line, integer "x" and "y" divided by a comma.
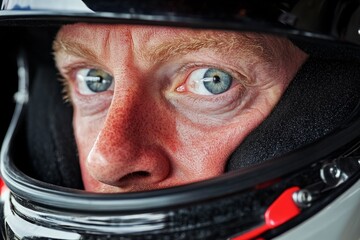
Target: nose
{"x": 129, "y": 168}
{"x": 127, "y": 152}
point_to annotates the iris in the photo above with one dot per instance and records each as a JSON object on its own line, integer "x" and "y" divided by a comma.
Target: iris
{"x": 217, "y": 81}
{"x": 98, "y": 80}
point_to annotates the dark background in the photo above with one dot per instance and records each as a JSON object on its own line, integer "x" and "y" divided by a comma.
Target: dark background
{"x": 9, "y": 39}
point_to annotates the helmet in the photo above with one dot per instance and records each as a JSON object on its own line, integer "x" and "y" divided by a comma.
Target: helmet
{"x": 296, "y": 175}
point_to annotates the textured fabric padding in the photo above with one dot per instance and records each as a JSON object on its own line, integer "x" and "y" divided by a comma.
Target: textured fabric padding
{"x": 51, "y": 142}
{"x": 320, "y": 98}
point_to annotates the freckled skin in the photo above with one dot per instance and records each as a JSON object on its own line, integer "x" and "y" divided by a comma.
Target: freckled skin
{"x": 144, "y": 134}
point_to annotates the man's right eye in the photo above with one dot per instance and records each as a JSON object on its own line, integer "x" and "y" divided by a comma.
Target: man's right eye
{"x": 91, "y": 81}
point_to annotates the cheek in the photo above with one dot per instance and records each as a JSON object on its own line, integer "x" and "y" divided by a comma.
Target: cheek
{"x": 204, "y": 151}
{"x": 86, "y": 131}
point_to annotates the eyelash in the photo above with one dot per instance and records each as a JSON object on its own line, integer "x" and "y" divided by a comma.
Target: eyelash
{"x": 189, "y": 68}
{"x": 67, "y": 75}
{"x": 68, "y": 72}
{"x": 65, "y": 92}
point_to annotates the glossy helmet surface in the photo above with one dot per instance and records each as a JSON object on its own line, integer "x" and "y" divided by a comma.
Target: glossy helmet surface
{"x": 292, "y": 176}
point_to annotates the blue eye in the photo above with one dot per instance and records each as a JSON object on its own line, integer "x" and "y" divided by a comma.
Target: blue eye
{"x": 217, "y": 81}
{"x": 209, "y": 81}
{"x": 97, "y": 80}
{"x": 91, "y": 81}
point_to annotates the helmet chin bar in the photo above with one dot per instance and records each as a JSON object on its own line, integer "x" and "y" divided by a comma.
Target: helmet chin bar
{"x": 184, "y": 211}
{"x": 224, "y": 207}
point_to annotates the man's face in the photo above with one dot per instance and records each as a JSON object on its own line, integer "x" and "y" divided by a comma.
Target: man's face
{"x": 156, "y": 107}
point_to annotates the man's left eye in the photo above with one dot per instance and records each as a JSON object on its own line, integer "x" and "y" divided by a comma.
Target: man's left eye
{"x": 91, "y": 81}
{"x": 209, "y": 81}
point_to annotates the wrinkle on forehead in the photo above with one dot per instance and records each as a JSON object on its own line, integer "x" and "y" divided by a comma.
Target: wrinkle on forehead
{"x": 182, "y": 41}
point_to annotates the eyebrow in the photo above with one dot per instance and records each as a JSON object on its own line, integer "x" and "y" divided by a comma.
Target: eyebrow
{"x": 223, "y": 42}
{"x": 73, "y": 48}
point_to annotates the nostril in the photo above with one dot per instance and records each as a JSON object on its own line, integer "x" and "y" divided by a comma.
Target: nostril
{"x": 135, "y": 176}
{"x": 141, "y": 174}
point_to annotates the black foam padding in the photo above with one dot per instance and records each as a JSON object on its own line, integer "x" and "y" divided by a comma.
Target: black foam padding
{"x": 51, "y": 143}
{"x": 320, "y": 98}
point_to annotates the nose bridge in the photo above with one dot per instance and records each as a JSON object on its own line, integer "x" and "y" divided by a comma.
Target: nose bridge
{"x": 125, "y": 120}
{"x": 126, "y": 114}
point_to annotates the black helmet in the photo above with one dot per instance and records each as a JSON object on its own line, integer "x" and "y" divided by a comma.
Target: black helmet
{"x": 295, "y": 176}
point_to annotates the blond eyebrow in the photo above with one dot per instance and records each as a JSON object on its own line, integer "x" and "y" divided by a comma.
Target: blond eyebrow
{"x": 223, "y": 42}
{"x": 73, "y": 48}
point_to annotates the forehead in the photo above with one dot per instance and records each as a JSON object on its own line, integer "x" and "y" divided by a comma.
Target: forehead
{"x": 88, "y": 30}
{"x": 157, "y": 43}
{"x": 147, "y": 33}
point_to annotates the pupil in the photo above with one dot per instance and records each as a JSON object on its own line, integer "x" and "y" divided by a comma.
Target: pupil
{"x": 216, "y": 79}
